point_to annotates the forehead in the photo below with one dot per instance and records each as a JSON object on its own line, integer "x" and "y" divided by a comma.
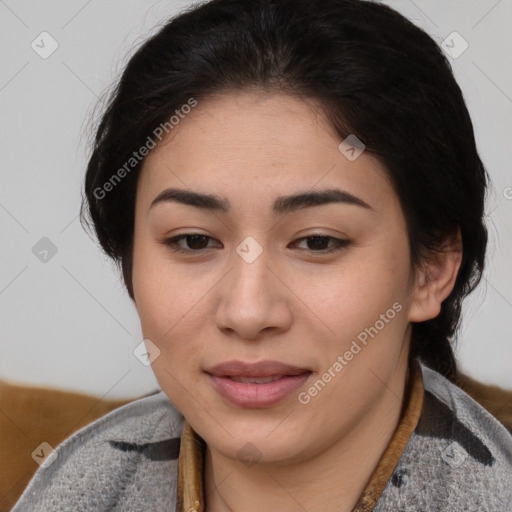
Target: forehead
{"x": 261, "y": 145}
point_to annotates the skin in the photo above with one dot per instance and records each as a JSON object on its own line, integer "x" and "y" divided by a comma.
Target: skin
{"x": 293, "y": 303}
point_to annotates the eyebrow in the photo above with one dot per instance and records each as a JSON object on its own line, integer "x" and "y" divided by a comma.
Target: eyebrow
{"x": 282, "y": 205}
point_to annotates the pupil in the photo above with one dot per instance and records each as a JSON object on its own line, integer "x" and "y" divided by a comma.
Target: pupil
{"x": 196, "y": 238}
{"x": 318, "y": 239}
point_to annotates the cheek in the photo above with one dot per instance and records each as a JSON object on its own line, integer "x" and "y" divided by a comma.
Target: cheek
{"x": 153, "y": 295}
{"x": 169, "y": 306}
{"x": 366, "y": 301}
{"x": 363, "y": 289}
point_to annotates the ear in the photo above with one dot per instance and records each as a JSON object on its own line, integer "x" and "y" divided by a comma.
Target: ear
{"x": 436, "y": 279}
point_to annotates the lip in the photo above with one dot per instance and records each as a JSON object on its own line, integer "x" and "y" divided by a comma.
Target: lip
{"x": 252, "y": 395}
{"x": 267, "y": 368}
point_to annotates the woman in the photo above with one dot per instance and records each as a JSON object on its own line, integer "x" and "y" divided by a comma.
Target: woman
{"x": 285, "y": 185}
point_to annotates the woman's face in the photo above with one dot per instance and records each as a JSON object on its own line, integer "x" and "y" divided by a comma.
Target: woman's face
{"x": 251, "y": 286}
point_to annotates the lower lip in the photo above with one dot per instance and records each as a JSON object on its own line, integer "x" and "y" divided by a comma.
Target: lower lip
{"x": 257, "y": 395}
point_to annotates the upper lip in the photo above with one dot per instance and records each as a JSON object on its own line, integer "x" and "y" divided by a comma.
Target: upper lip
{"x": 236, "y": 368}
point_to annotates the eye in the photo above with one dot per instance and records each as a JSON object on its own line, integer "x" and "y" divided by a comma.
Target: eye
{"x": 195, "y": 241}
{"x": 319, "y": 242}
{"x": 198, "y": 243}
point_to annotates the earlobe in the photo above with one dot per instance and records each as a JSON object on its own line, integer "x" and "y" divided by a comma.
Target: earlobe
{"x": 436, "y": 280}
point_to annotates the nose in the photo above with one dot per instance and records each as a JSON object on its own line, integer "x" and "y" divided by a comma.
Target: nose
{"x": 253, "y": 298}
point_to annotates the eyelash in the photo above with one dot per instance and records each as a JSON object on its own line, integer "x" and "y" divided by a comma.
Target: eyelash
{"x": 172, "y": 243}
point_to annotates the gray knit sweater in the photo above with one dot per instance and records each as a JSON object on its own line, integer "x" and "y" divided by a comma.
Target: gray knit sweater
{"x": 458, "y": 459}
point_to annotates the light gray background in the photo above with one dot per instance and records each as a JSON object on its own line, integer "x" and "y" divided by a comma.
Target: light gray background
{"x": 68, "y": 323}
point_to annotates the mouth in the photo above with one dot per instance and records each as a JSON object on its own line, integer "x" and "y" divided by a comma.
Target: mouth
{"x": 256, "y": 385}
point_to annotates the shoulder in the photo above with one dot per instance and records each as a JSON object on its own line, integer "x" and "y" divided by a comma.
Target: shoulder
{"x": 468, "y": 413}
{"x": 127, "y": 458}
{"x": 458, "y": 458}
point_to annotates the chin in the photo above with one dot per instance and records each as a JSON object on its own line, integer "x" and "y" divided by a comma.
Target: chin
{"x": 260, "y": 451}
{"x": 251, "y": 446}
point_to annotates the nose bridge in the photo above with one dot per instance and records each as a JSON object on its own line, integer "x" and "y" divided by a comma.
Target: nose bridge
{"x": 250, "y": 269}
{"x": 250, "y": 300}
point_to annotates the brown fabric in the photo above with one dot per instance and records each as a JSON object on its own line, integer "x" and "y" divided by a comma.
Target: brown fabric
{"x": 496, "y": 400}
{"x": 190, "y": 465}
{"x": 190, "y": 472}
{"x": 30, "y": 416}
